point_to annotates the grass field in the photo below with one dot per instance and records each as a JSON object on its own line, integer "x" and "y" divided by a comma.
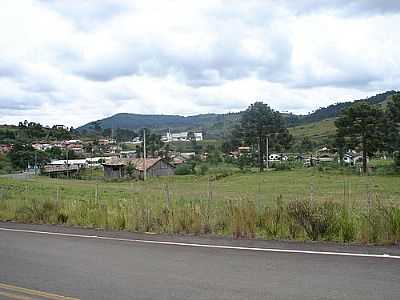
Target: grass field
{"x": 317, "y": 131}
{"x": 245, "y": 205}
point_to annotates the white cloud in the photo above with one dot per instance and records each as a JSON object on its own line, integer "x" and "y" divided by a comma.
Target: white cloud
{"x": 72, "y": 62}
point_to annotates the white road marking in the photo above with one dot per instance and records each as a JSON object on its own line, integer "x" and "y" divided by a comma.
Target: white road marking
{"x": 205, "y": 245}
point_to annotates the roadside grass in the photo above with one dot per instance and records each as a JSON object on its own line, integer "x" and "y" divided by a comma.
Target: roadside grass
{"x": 298, "y": 204}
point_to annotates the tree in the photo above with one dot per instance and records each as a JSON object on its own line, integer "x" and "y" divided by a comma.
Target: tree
{"x": 258, "y": 122}
{"x": 306, "y": 145}
{"x": 361, "y": 126}
{"x": 130, "y": 169}
{"x": 23, "y": 155}
{"x": 192, "y": 138}
{"x": 55, "y": 153}
{"x": 392, "y": 136}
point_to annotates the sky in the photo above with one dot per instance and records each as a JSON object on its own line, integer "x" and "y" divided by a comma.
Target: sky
{"x": 74, "y": 61}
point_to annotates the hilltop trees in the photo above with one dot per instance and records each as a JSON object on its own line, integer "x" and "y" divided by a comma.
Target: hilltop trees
{"x": 361, "y": 126}
{"x": 153, "y": 143}
{"x": 392, "y": 140}
{"x": 260, "y": 122}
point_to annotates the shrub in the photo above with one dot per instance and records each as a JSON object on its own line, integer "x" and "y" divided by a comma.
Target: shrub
{"x": 396, "y": 158}
{"x": 283, "y": 166}
{"x": 203, "y": 169}
{"x": 317, "y": 220}
{"x": 183, "y": 169}
{"x": 46, "y": 211}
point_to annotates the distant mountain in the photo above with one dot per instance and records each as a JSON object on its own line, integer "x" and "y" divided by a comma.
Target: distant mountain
{"x": 333, "y": 110}
{"x": 211, "y": 124}
{"x": 216, "y": 125}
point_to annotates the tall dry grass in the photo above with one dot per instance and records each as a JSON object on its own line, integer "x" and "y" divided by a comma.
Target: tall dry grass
{"x": 239, "y": 217}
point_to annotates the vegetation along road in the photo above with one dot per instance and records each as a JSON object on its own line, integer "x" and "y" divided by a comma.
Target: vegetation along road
{"x": 299, "y": 204}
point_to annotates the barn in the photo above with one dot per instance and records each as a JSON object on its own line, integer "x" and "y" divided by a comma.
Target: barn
{"x": 120, "y": 168}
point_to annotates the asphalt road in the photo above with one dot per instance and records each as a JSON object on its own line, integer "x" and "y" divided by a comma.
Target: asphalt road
{"x": 92, "y": 268}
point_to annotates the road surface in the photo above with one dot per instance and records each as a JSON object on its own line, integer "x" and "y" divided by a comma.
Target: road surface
{"x": 78, "y": 264}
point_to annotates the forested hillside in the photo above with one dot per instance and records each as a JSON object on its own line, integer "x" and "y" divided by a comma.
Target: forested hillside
{"x": 218, "y": 125}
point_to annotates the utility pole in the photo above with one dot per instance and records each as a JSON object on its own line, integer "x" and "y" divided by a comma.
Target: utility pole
{"x": 35, "y": 163}
{"x": 144, "y": 154}
{"x": 91, "y": 165}
{"x": 67, "y": 164}
{"x": 267, "y": 152}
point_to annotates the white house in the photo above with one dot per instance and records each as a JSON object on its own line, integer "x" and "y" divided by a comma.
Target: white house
{"x": 274, "y": 157}
{"x": 181, "y": 137}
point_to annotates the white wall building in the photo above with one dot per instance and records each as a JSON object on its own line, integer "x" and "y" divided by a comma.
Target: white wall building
{"x": 181, "y": 137}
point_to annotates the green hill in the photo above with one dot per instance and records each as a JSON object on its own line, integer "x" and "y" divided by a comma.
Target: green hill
{"x": 317, "y": 131}
{"x": 318, "y": 124}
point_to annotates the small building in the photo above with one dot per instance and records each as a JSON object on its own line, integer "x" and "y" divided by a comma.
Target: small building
{"x": 41, "y": 146}
{"x": 244, "y": 150}
{"x": 181, "y": 137}
{"x": 55, "y": 170}
{"x": 120, "y": 168}
{"x": 178, "y": 160}
{"x": 80, "y": 163}
{"x": 127, "y": 154}
{"x": 274, "y": 157}
{"x": 325, "y": 155}
{"x": 188, "y": 155}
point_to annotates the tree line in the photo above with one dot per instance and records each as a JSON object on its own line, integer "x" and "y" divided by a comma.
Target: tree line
{"x": 363, "y": 127}
{"x": 369, "y": 128}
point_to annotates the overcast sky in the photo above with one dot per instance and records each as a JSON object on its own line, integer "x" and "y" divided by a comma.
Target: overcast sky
{"x": 75, "y": 61}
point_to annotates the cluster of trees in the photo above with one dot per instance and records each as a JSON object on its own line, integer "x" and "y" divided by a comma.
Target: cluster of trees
{"x": 260, "y": 127}
{"x": 23, "y": 155}
{"x": 369, "y": 128}
{"x": 28, "y": 131}
{"x": 153, "y": 143}
{"x": 120, "y": 134}
{"x": 7, "y": 136}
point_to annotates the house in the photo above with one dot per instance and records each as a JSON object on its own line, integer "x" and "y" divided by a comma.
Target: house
{"x": 41, "y": 146}
{"x": 188, "y": 155}
{"x": 127, "y": 154}
{"x": 104, "y": 142}
{"x": 274, "y": 157}
{"x": 244, "y": 149}
{"x": 55, "y": 170}
{"x": 325, "y": 155}
{"x": 97, "y": 161}
{"x": 80, "y": 163}
{"x": 119, "y": 168}
{"x": 77, "y": 148}
{"x": 178, "y": 160}
{"x": 181, "y": 137}
{"x": 352, "y": 158}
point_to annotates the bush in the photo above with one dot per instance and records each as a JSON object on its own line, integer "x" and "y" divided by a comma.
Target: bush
{"x": 38, "y": 211}
{"x": 317, "y": 220}
{"x": 396, "y": 158}
{"x": 183, "y": 169}
{"x": 281, "y": 166}
{"x": 203, "y": 169}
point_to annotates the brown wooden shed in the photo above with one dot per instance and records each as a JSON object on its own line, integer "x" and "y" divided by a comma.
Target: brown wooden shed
{"x": 118, "y": 168}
